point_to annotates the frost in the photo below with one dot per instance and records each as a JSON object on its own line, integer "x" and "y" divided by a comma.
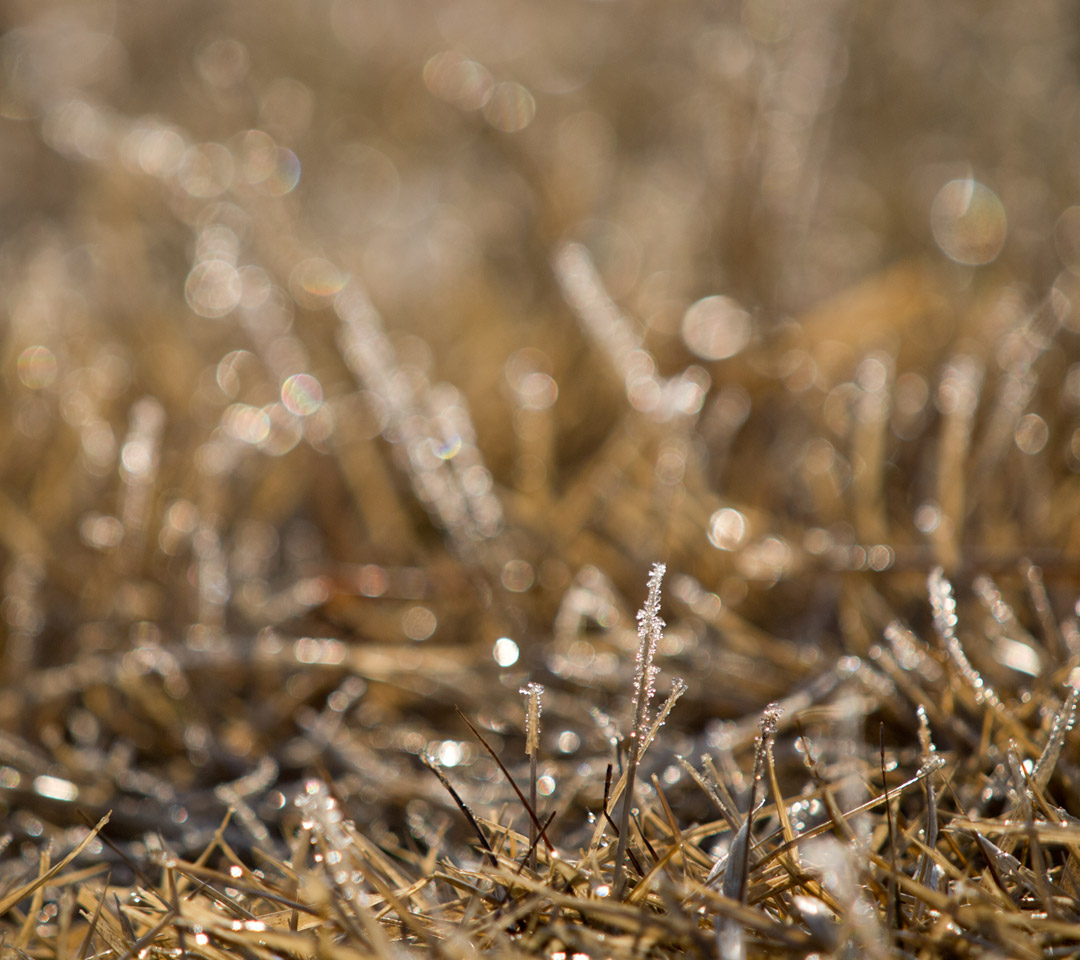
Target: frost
{"x": 533, "y": 692}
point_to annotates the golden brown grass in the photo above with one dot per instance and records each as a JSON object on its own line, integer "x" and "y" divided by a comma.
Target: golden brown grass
{"x": 359, "y": 360}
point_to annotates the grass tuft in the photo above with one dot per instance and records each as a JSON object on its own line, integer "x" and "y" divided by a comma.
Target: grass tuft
{"x": 357, "y": 360}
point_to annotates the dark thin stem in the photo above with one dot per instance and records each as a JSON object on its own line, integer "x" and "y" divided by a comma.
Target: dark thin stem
{"x": 530, "y": 808}
{"x": 463, "y": 807}
{"x": 894, "y": 893}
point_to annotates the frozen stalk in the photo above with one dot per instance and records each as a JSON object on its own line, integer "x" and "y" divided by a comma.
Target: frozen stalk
{"x": 730, "y": 937}
{"x": 943, "y": 607}
{"x": 430, "y": 424}
{"x": 583, "y": 289}
{"x": 139, "y": 461}
{"x": 532, "y": 693}
{"x": 650, "y": 630}
{"x": 1064, "y": 720}
{"x": 925, "y": 873}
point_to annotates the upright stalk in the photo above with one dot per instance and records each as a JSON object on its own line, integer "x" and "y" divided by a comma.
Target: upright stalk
{"x": 532, "y": 693}
{"x": 650, "y": 630}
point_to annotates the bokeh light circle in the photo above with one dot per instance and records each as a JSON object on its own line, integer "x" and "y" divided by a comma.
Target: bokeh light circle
{"x": 213, "y": 288}
{"x": 37, "y": 367}
{"x": 968, "y": 222}
{"x": 511, "y": 107}
{"x": 505, "y": 652}
{"x": 716, "y": 328}
{"x": 302, "y": 394}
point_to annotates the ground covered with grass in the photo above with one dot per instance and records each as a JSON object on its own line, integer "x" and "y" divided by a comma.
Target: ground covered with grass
{"x": 565, "y": 480}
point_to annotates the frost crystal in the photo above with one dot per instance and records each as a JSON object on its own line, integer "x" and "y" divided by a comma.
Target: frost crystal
{"x": 770, "y": 721}
{"x": 533, "y": 692}
{"x": 942, "y": 603}
{"x": 943, "y": 606}
{"x": 650, "y": 630}
{"x": 1064, "y": 721}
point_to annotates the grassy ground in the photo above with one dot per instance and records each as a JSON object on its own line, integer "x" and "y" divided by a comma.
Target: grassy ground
{"x": 361, "y": 358}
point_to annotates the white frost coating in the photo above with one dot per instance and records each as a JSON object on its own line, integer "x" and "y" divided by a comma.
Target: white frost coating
{"x": 659, "y": 397}
{"x": 943, "y": 606}
{"x": 650, "y": 630}
{"x": 1064, "y": 721}
{"x": 942, "y": 603}
{"x": 533, "y": 692}
{"x": 330, "y": 836}
{"x": 926, "y": 743}
{"x": 432, "y": 425}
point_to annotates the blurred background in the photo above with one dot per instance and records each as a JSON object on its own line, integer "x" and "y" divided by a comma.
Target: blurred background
{"x": 359, "y": 356}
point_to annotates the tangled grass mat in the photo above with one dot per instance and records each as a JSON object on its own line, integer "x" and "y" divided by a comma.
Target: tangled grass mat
{"x": 367, "y": 365}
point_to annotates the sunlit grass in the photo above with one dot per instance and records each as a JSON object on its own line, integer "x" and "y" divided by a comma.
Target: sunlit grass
{"x": 362, "y": 359}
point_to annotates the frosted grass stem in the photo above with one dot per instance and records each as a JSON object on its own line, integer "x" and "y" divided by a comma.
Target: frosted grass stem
{"x": 650, "y": 630}
{"x": 532, "y": 693}
{"x": 1064, "y": 721}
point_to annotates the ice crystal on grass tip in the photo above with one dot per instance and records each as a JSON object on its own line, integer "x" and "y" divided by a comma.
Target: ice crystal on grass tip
{"x": 1064, "y": 721}
{"x": 943, "y": 607}
{"x": 763, "y": 744}
{"x": 942, "y": 603}
{"x": 926, "y": 743}
{"x": 532, "y": 693}
{"x": 650, "y": 630}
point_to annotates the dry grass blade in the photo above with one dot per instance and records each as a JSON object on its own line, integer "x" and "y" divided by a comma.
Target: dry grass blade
{"x": 894, "y": 895}
{"x": 28, "y": 889}
{"x": 729, "y": 934}
{"x": 357, "y": 364}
